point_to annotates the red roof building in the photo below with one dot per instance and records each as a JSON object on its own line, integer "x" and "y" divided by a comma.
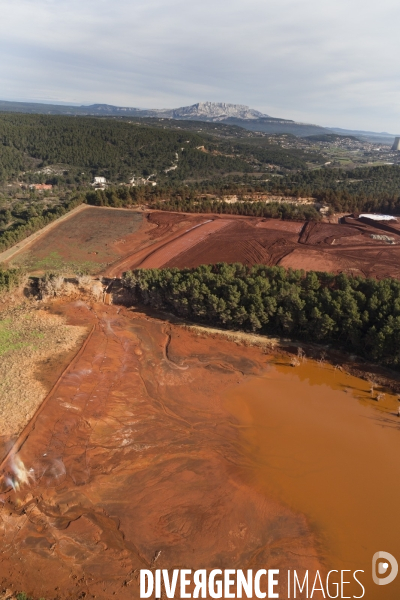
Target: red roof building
{"x": 41, "y": 186}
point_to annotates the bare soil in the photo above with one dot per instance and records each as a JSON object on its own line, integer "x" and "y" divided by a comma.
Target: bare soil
{"x": 158, "y": 230}
{"x": 198, "y": 233}
{"x": 34, "y": 348}
{"x": 110, "y": 241}
{"x": 135, "y": 457}
{"x": 310, "y": 246}
{"x": 86, "y": 241}
{"x": 9, "y": 254}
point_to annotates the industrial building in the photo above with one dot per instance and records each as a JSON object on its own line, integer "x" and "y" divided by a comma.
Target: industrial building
{"x": 396, "y": 144}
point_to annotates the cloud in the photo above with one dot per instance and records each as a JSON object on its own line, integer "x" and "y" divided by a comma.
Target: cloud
{"x": 311, "y": 60}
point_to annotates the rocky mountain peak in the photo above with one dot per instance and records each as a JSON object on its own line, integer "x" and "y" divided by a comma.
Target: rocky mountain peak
{"x": 217, "y": 111}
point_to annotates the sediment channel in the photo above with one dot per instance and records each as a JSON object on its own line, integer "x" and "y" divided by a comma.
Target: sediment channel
{"x": 134, "y": 462}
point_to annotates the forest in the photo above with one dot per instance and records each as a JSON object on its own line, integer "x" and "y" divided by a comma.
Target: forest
{"x": 350, "y": 313}
{"x": 119, "y": 149}
{"x": 344, "y": 195}
{"x": 206, "y": 162}
{"x": 373, "y": 189}
{"x": 270, "y": 210}
{"x": 125, "y": 197}
{"x": 362, "y": 189}
{"x": 369, "y": 189}
{"x": 365, "y": 189}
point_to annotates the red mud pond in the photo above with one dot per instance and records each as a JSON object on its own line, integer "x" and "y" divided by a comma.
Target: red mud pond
{"x": 160, "y": 448}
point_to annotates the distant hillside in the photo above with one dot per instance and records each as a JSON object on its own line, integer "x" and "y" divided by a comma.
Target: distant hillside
{"x": 119, "y": 149}
{"x": 271, "y": 125}
{"x": 231, "y": 114}
{"x": 331, "y": 137}
{"x": 59, "y": 109}
{"x": 202, "y": 111}
{"x": 376, "y": 138}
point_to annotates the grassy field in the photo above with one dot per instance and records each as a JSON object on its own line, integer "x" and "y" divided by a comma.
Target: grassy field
{"x": 14, "y": 338}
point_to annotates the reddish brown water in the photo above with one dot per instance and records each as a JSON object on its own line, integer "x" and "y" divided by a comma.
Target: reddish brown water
{"x": 320, "y": 444}
{"x": 133, "y": 459}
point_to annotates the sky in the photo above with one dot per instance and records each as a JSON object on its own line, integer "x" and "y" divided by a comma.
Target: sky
{"x": 333, "y": 63}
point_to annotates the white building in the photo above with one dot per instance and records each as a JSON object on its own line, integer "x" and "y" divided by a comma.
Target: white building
{"x": 100, "y": 183}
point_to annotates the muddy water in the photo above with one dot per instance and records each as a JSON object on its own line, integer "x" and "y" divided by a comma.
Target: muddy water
{"x": 320, "y": 444}
{"x": 133, "y": 459}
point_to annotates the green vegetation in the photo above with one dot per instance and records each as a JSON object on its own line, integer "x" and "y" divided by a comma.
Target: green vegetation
{"x": 114, "y": 149}
{"x": 10, "y": 278}
{"x": 121, "y": 148}
{"x": 55, "y": 263}
{"x": 330, "y": 137}
{"x": 355, "y": 314}
{"x": 184, "y": 201}
{"x": 272, "y": 210}
{"x": 9, "y": 340}
{"x": 24, "y": 596}
{"x": 12, "y": 337}
{"x": 373, "y": 189}
{"x": 23, "y": 223}
{"x": 362, "y": 189}
{"x": 211, "y": 161}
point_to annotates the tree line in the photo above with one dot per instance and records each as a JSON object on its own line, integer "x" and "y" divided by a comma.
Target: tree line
{"x": 351, "y": 313}
{"x": 271, "y": 210}
{"x": 369, "y": 189}
{"x": 364, "y": 189}
{"x": 375, "y": 189}
{"x": 125, "y": 197}
{"x": 28, "y": 223}
{"x": 208, "y": 197}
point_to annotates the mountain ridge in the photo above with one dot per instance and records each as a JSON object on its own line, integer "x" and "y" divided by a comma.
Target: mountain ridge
{"x": 221, "y": 112}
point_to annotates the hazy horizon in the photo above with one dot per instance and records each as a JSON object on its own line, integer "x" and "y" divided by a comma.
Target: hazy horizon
{"x": 80, "y": 104}
{"x": 330, "y": 64}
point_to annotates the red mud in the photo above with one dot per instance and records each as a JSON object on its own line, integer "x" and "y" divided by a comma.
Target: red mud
{"x": 164, "y": 241}
{"x": 168, "y": 222}
{"x": 111, "y": 241}
{"x": 199, "y": 233}
{"x": 133, "y": 454}
{"x": 314, "y": 260}
{"x": 157, "y": 231}
{"x": 309, "y": 246}
{"x": 240, "y": 242}
{"x": 292, "y": 226}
